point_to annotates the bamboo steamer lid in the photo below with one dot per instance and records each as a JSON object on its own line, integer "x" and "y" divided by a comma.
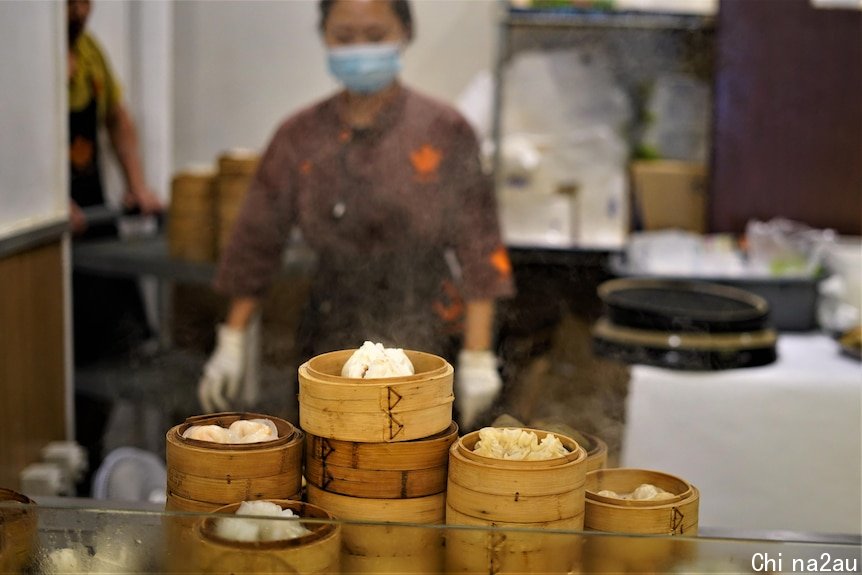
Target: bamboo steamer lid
{"x": 384, "y": 470}
{"x": 191, "y": 225}
{"x": 375, "y": 410}
{"x": 499, "y": 492}
{"x": 317, "y": 552}
{"x": 18, "y": 521}
{"x": 212, "y": 473}
{"x": 546, "y": 547}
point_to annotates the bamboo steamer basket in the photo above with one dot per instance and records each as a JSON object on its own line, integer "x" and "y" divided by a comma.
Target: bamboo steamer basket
{"x": 382, "y": 544}
{"x": 499, "y": 492}
{"x": 546, "y": 547}
{"x": 18, "y": 523}
{"x": 528, "y": 497}
{"x": 202, "y": 474}
{"x": 236, "y": 169}
{"x": 401, "y": 469}
{"x": 318, "y": 552}
{"x": 191, "y": 225}
{"x": 671, "y": 517}
{"x": 676, "y": 516}
{"x": 375, "y": 410}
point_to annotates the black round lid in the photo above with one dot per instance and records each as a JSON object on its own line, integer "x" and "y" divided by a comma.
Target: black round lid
{"x": 682, "y": 306}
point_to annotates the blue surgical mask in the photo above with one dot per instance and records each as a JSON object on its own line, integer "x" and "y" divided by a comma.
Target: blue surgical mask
{"x": 365, "y": 68}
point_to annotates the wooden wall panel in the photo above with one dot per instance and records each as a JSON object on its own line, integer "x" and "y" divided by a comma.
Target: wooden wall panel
{"x": 32, "y": 393}
{"x": 788, "y": 115}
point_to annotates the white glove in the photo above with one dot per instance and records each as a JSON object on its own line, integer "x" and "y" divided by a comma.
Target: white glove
{"x": 232, "y": 367}
{"x": 477, "y": 384}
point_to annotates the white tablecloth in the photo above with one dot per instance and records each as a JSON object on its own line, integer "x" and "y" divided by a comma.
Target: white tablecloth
{"x": 774, "y": 447}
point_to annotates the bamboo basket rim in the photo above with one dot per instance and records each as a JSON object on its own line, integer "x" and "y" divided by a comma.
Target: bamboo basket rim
{"x": 176, "y": 432}
{"x": 326, "y": 528}
{"x": 464, "y": 447}
{"x": 11, "y": 496}
{"x": 206, "y": 506}
{"x": 662, "y": 505}
{"x": 15, "y": 507}
{"x": 593, "y": 496}
{"x": 312, "y": 367}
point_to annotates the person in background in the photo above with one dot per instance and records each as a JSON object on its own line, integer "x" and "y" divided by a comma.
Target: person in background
{"x": 386, "y": 186}
{"x": 95, "y": 100}
{"x": 108, "y": 313}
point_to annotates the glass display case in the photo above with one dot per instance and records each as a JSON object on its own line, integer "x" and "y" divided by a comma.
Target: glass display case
{"x": 86, "y": 537}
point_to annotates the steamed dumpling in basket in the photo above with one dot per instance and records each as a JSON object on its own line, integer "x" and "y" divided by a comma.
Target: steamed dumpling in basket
{"x": 372, "y": 360}
{"x": 518, "y": 444}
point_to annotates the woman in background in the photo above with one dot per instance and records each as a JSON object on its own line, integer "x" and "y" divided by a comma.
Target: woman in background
{"x": 386, "y": 186}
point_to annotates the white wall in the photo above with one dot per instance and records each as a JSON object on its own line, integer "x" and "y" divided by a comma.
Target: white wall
{"x": 33, "y": 133}
{"x": 240, "y": 67}
{"x": 137, "y": 38}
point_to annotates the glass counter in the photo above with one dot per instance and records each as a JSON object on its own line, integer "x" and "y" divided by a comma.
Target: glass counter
{"x": 86, "y": 539}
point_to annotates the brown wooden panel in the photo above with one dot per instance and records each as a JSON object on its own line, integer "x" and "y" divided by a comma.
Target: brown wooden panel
{"x": 31, "y": 357}
{"x": 788, "y": 115}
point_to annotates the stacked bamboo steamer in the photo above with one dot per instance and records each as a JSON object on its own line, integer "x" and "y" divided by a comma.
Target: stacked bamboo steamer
{"x": 203, "y": 476}
{"x": 676, "y": 516}
{"x": 191, "y": 225}
{"x": 377, "y": 450}
{"x": 535, "y": 495}
{"x": 17, "y": 531}
{"x": 317, "y": 552}
{"x": 235, "y": 171}
{"x": 205, "y": 203}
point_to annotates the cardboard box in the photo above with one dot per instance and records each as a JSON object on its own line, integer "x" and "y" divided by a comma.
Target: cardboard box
{"x": 670, "y": 194}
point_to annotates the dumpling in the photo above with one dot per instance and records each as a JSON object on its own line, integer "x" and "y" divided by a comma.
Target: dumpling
{"x": 240, "y": 431}
{"x": 372, "y": 360}
{"x": 211, "y": 433}
{"x": 243, "y": 529}
{"x": 251, "y": 431}
{"x": 643, "y": 492}
{"x": 517, "y": 444}
{"x": 649, "y": 492}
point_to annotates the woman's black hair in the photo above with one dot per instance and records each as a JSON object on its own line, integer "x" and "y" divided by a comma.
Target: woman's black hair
{"x": 400, "y": 7}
